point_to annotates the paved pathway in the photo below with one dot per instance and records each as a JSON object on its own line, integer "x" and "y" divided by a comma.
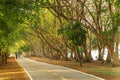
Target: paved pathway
{"x": 44, "y": 71}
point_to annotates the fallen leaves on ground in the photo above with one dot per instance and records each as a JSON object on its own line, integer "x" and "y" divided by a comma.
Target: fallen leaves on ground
{"x": 12, "y": 71}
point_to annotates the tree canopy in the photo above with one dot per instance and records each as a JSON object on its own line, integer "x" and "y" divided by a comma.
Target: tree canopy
{"x": 25, "y": 23}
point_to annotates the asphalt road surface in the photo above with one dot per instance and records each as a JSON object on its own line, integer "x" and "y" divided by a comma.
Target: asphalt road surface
{"x": 43, "y": 71}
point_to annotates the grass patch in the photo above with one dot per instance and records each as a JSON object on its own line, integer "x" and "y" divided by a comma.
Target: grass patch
{"x": 108, "y": 72}
{"x": 104, "y": 71}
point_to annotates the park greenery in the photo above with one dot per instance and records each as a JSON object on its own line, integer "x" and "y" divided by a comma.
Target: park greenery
{"x": 54, "y": 28}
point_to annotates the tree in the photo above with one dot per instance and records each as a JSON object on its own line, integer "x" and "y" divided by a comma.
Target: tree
{"x": 90, "y": 16}
{"x": 76, "y": 34}
{"x": 10, "y": 25}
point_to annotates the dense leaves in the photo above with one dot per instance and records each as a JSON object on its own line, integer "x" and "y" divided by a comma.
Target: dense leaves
{"x": 78, "y": 22}
{"x": 74, "y": 32}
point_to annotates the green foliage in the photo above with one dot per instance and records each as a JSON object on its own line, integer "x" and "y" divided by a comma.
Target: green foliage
{"x": 80, "y": 50}
{"x": 24, "y": 48}
{"x": 5, "y": 31}
{"x": 117, "y": 19}
{"x": 106, "y": 34}
{"x": 103, "y": 10}
{"x": 107, "y": 0}
{"x": 94, "y": 43}
{"x": 108, "y": 72}
{"x": 12, "y": 16}
{"x": 74, "y": 32}
{"x": 117, "y": 3}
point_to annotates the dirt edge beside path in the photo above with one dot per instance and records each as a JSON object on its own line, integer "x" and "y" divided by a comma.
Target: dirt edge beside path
{"x": 12, "y": 71}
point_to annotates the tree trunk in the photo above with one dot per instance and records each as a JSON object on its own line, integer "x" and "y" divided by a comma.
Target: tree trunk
{"x": 117, "y": 47}
{"x": 65, "y": 48}
{"x": 87, "y": 53}
{"x": 103, "y": 53}
{"x": 115, "y": 59}
{"x": 100, "y": 46}
{"x": 114, "y": 56}
{"x": 108, "y": 60}
{"x": 72, "y": 52}
{"x": 79, "y": 56}
{"x": 50, "y": 45}
{"x": 76, "y": 55}
{"x": 6, "y": 57}
{"x": 0, "y": 59}
{"x": 100, "y": 55}
{"x": 43, "y": 50}
{"x": 3, "y": 58}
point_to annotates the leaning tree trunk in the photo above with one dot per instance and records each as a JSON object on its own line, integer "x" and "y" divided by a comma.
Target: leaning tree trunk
{"x": 103, "y": 52}
{"x": 113, "y": 55}
{"x": 116, "y": 55}
{"x": 79, "y": 56}
{"x": 87, "y": 52}
{"x": 0, "y": 58}
{"x": 73, "y": 51}
{"x": 3, "y": 58}
{"x": 108, "y": 59}
{"x": 76, "y": 55}
{"x": 100, "y": 55}
{"x": 65, "y": 48}
{"x": 6, "y": 57}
